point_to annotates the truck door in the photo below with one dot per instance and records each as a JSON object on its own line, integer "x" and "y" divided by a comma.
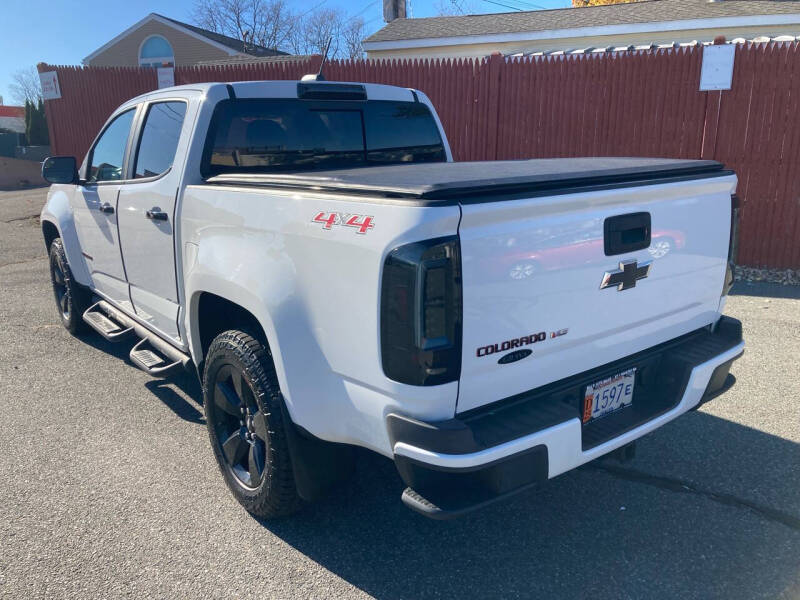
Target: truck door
{"x": 94, "y": 206}
{"x": 147, "y": 214}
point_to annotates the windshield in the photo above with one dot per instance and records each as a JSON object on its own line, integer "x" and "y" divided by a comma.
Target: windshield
{"x": 262, "y": 136}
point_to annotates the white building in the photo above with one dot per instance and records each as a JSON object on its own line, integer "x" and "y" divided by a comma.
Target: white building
{"x": 644, "y": 23}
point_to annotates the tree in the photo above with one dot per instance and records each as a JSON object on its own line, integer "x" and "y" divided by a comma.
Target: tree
{"x": 26, "y": 86}
{"x": 311, "y": 32}
{"x": 263, "y": 22}
{"x": 352, "y": 35}
{"x": 36, "y": 124}
{"x": 273, "y": 24}
{"x": 450, "y": 8}
{"x": 579, "y": 3}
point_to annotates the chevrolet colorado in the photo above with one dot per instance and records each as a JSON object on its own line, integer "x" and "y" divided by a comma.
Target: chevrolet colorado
{"x": 336, "y": 280}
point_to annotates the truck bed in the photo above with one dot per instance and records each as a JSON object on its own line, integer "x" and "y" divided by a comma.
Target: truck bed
{"x": 447, "y": 183}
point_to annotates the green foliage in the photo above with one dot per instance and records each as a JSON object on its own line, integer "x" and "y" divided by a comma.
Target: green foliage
{"x": 36, "y": 124}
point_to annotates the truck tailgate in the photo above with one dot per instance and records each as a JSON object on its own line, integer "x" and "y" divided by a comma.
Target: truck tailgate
{"x": 533, "y": 270}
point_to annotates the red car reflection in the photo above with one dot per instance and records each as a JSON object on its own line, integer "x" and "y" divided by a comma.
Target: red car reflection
{"x": 521, "y": 264}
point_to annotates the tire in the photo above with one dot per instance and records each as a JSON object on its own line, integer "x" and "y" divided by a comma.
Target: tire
{"x": 72, "y": 299}
{"x": 242, "y": 403}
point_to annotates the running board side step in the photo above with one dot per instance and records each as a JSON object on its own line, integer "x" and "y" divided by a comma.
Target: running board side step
{"x": 151, "y": 354}
{"x": 108, "y": 322}
{"x": 157, "y": 358}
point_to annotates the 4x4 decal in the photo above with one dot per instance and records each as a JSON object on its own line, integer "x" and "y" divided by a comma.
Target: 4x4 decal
{"x": 362, "y": 223}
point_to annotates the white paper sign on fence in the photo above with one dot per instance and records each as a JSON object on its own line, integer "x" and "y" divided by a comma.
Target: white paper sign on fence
{"x": 166, "y": 77}
{"x": 50, "y": 88}
{"x": 717, "y": 70}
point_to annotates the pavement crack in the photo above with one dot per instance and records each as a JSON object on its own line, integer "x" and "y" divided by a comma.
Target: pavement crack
{"x": 15, "y": 219}
{"x": 685, "y": 487}
{"x": 22, "y": 262}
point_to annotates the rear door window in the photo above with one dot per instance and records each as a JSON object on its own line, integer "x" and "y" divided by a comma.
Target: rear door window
{"x": 159, "y": 140}
{"x": 401, "y": 132}
{"x": 260, "y": 135}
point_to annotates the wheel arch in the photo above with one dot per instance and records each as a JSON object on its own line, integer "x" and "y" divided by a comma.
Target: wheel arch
{"x": 50, "y": 232}
{"x": 317, "y": 465}
{"x": 213, "y": 309}
{"x": 215, "y": 314}
{"x": 57, "y": 220}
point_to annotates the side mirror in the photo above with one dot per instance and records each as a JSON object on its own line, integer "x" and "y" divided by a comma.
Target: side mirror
{"x": 60, "y": 169}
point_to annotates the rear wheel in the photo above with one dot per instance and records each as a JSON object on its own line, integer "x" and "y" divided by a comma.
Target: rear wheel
{"x": 72, "y": 299}
{"x": 241, "y": 398}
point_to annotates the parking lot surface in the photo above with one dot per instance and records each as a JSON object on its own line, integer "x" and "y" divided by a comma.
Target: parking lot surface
{"x": 108, "y": 487}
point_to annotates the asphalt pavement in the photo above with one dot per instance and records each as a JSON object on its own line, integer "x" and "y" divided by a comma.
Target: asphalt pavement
{"x": 108, "y": 487}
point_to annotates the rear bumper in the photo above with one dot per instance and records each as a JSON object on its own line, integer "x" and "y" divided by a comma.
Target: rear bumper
{"x": 455, "y": 466}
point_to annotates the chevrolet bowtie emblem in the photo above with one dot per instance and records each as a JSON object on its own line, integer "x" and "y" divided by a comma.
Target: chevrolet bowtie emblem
{"x": 626, "y": 277}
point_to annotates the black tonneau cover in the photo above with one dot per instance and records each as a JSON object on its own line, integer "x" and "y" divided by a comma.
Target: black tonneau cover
{"x": 458, "y": 181}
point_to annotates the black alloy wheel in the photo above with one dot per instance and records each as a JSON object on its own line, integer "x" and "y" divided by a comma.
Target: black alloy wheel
{"x": 240, "y": 427}
{"x": 244, "y": 418}
{"x": 72, "y": 299}
{"x": 60, "y": 289}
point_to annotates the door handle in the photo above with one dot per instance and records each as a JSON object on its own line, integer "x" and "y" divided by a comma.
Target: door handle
{"x": 107, "y": 208}
{"x": 156, "y": 214}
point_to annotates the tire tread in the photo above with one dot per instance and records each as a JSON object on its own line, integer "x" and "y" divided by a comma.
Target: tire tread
{"x": 277, "y": 495}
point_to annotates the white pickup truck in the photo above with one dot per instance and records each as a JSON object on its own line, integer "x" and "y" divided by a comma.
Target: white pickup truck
{"x": 336, "y": 280}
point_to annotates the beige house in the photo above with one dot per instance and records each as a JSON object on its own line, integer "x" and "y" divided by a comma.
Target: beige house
{"x": 158, "y": 41}
{"x": 644, "y": 23}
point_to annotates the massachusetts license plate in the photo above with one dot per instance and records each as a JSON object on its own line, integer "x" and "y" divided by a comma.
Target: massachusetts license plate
{"x": 608, "y": 395}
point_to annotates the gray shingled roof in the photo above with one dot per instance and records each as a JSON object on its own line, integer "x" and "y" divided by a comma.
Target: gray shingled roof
{"x": 254, "y": 60}
{"x": 568, "y": 18}
{"x": 232, "y": 43}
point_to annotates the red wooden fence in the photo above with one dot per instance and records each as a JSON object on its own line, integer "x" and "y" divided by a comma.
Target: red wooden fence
{"x": 626, "y": 104}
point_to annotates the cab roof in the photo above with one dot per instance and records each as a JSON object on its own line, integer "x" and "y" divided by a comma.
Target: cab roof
{"x": 271, "y": 89}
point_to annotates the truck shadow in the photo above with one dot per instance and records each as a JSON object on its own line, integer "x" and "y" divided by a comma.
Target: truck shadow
{"x": 187, "y": 382}
{"x": 186, "y": 401}
{"x": 661, "y": 526}
{"x": 708, "y": 509}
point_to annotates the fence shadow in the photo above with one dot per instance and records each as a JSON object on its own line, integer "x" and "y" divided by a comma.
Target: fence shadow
{"x": 769, "y": 290}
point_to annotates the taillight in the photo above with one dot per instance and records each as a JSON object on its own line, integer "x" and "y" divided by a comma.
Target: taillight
{"x": 733, "y": 243}
{"x": 421, "y": 313}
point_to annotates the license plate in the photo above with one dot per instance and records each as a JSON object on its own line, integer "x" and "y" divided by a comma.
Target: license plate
{"x": 608, "y": 395}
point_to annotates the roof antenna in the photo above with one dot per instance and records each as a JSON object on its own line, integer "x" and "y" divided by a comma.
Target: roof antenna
{"x": 319, "y": 76}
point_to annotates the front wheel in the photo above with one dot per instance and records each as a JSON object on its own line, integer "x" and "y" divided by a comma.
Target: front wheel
{"x": 72, "y": 299}
{"x": 242, "y": 399}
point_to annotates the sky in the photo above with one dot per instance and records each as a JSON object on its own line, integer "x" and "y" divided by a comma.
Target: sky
{"x": 63, "y": 32}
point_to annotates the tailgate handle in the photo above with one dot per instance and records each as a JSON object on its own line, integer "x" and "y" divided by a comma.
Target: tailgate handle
{"x": 626, "y": 233}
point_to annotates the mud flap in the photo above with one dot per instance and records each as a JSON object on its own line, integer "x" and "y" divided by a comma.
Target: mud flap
{"x": 317, "y": 465}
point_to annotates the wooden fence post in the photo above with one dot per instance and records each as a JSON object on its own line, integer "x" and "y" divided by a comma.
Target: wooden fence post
{"x": 711, "y": 125}
{"x": 51, "y": 130}
{"x": 496, "y": 64}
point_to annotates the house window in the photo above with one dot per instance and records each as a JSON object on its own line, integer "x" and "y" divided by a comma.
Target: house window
{"x": 155, "y": 51}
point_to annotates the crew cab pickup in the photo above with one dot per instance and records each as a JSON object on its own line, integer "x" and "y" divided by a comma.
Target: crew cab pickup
{"x": 312, "y": 251}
